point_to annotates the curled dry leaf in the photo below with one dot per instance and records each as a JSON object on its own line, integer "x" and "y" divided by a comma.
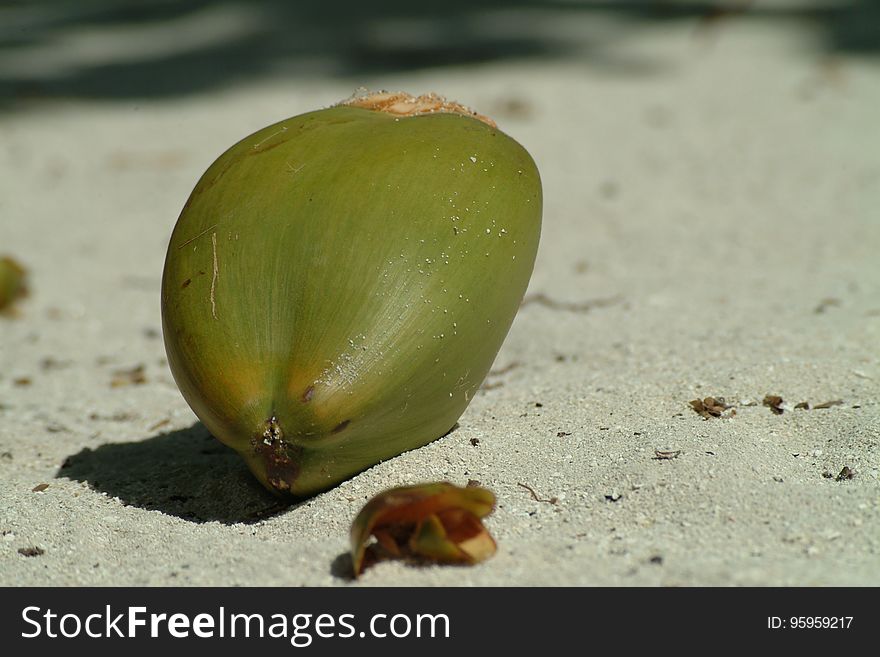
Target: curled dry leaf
{"x": 774, "y": 403}
{"x": 436, "y": 522}
{"x": 710, "y": 406}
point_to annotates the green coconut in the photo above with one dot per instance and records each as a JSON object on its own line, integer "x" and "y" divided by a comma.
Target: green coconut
{"x": 13, "y": 286}
{"x": 339, "y": 283}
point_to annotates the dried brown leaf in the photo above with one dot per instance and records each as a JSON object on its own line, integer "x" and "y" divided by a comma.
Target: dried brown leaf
{"x": 437, "y": 522}
{"x": 774, "y": 402}
{"x": 710, "y": 407}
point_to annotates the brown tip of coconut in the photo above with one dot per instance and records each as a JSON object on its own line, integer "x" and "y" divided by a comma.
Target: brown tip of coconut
{"x": 403, "y": 104}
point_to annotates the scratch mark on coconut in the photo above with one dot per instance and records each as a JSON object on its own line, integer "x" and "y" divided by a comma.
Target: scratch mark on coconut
{"x": 256, "y": 146}
{"x": 215, "y": 276}
{"x": 341, "y": 426}
{"x": 193, "y": 239}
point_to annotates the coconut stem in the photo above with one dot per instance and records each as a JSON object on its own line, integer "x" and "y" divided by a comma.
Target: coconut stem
{"x": 403, "y": 104}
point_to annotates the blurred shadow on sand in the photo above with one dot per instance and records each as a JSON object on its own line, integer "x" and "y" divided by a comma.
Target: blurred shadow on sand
{"x": 185, "y": 473}
{"x": 146, "y": 49}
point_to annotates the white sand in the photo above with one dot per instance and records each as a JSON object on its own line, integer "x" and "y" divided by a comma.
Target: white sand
{"x": 716, "y": 195}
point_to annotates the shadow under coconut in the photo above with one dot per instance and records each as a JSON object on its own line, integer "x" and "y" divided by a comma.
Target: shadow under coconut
{"x": 185, "y": 473}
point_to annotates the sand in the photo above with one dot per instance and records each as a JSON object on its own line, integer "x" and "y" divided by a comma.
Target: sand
{"x": 710, "y": 229}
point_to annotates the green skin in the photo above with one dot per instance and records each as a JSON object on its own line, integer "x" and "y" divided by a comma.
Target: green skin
{"x": 12, "y": 285}
{"x": 339, "y": 283}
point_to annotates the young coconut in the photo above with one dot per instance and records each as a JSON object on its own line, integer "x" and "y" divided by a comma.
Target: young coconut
{"x": 13, "y": 284}
{"x": 338, "y": 284}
